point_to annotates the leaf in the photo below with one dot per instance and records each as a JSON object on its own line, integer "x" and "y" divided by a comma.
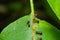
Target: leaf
{"x": 52, "y": 10}
{"x": 49, "y": 32}
{"x": 1, "y": 37}
{"x": 19, "y": 30}
{"x": 55, "y": 5}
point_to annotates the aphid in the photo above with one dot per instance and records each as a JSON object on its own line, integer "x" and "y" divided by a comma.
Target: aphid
{"x": 35, "y": 21}
{"x": 28, "y": 23}
{"x": 40, "y": 33}
{"x": 40, "y": 39}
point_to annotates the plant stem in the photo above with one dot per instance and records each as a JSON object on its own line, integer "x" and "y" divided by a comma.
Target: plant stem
{"x": 32, "y": 17}
{"x": 32, "y": 7}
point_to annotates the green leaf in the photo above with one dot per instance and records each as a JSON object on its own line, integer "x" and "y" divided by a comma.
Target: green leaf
{"x": 1, "y": 37}
{"x": 49, "y": 32}
{"x": 55, "y": 5}
{"x": 19, "y": 30}
{"x": 52, "y": 9}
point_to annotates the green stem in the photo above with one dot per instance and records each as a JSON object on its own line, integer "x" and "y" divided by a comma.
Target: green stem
{"x": 32, "y": 7}
{"x": 32, "y": 17}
